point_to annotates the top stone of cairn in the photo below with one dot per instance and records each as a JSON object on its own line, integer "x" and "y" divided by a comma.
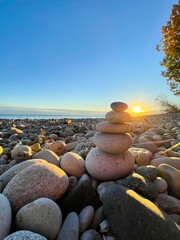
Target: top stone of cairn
{"x": 119, "y": 106}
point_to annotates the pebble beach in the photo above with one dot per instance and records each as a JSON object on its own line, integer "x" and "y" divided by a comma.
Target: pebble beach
{"x": 111, "y": 178}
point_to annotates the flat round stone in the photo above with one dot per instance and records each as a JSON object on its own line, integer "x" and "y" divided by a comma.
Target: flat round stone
{"x": 117, "y": 117}
{"x": 108, "y": 127}
{"x": 119, "y": 106}
{"x": 105, "y": 166}
{"x": 112, "y": 143}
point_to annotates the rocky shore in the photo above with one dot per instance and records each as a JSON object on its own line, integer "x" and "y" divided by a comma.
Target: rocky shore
{"x": 116, "y": 178}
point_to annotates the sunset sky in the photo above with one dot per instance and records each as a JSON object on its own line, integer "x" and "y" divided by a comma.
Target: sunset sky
{"x": 78, "y": 54}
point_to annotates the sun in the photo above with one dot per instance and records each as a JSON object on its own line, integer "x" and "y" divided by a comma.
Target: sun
{"x": 137, "y": 109}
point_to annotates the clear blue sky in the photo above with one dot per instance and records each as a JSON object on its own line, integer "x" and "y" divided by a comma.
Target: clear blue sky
{"x": 81, "y": 54}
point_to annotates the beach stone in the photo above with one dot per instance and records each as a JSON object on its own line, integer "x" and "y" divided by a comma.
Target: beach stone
{"x": 5, "y": 135}
{"x": 118, "y": 106}
{"x": 84, "y": 177}
{"x": 25, "y": 235}
{"x": 85, "y": 217}
{"x": 72, "y": 184}
{"x": 83, "y": 153}
{"x": 36, "y": 147}
{"x": 142, "y": 159}
{"x": 169, "y": 204}
{"x": 80, "y": 146}
{"x": 119, "y": 203}
{"x": 157, "y": 137}
{"x": 90, "y": 133}
{"x": 106, "y": 166}
{"x": 1, "y": 150}
{"x": 70, "y": 228}
{"x": 173, "y": 153}
{"x": 108, "y": 127}
{"x": 112, "y": 143}
{"x": 21, "y": 148}
{"x": 59, "y": 147}
{"x": 49, "y": 156}
{"x": 90, "y": 234}
{"x": 104, "y": 226}
{"x": 117, "y": 117}
{"x": 140, "y": 185}
{"x": 11, "y": 172}
{"x": 73, "y": 164}
{"x": 38, "y": 180}
{"x": 149, "y": 172}
{"x": 53, "y": 136}
{"x": 71, "y": 145}
{"x": 160, "y": 184}
{"x": 149, "y": 146}
{"x": 143, "y": 140}
{"x": 81, "y": 196}
{"x": 4, "y": 168}
{"x": 22, "y": 156}
{"x": 90, "y": 144}
{"x": 3, "y": 160}
{"x": 68, "y": 132}
{"x": 102, "y": 188}
{"x": 142, "y": 156}
{"x": 42, "y": 216}
{"x": 5, "y": 217}
{"x": 172, "y": 161}
{"x": 98, "y": 218}
{"x": 172, "y": 177}
{"x": 14, "y": 130}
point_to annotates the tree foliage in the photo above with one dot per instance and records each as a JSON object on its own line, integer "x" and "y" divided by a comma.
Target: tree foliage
{"x": 170, "y": 44}
{"x": 166, "y": 105}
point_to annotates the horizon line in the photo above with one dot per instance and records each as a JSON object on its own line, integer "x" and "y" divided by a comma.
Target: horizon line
{"x": 15, "y": 108}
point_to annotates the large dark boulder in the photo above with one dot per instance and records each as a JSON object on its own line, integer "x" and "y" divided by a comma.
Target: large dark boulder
{"x": 131, "y": 216}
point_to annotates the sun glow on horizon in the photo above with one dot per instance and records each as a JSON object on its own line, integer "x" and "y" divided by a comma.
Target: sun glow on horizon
{"x": 137, "y": 109}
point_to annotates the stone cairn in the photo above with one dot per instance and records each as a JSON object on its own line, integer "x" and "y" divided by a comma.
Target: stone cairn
{"x": 111, "y": 159}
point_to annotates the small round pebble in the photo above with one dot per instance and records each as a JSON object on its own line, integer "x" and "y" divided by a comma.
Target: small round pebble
{"x": 118, "y": 106}
{"x": 25, "y": 235}
{"x": 85, "y": 217}
{"x": 150, "y": 172}
{"x": 90, "y": 234}
{"x": 73, "y": 164}
{"x": 70, "y": 228}
{"x": 59, "y": 147}
{"x": 160, "y": 184}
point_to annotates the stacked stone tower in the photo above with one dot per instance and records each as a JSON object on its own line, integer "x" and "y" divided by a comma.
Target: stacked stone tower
{"x": 111, "y": 159}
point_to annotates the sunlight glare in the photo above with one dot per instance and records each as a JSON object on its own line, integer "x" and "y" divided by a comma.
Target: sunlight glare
{"x": 137, "y": 109}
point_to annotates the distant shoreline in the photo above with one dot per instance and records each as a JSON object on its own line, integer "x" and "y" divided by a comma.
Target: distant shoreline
{"x": 72, "y": 116}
